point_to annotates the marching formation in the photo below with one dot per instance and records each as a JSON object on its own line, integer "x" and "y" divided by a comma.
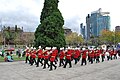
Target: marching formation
{"x": 49, "y": 57}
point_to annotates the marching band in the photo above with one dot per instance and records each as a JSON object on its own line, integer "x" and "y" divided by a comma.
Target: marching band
{"x": 51, "y": 56}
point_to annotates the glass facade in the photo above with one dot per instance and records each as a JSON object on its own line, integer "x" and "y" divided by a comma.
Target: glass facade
{"x": 82, "y": 28}
{"x": 98, "y": 22}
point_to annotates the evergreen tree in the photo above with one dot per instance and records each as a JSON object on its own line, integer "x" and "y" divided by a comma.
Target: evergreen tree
{"x": 50, "y": 31}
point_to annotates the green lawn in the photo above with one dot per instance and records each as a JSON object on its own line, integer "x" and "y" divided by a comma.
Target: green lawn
{"x": 15, "y": 58}
{"x": 1, "y": 59}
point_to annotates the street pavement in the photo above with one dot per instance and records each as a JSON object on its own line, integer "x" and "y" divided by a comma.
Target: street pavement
{"x": 108, "y": 70}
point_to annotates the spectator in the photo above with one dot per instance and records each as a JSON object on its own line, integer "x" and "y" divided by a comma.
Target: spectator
{"x": 9, "y": 58}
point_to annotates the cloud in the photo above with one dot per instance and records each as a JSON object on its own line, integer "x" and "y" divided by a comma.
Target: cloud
{"x": 19, "y": 14}
{"x": 21, "y": 18}
{"x": 27, "y": 13}
{"x": 73, "y": 23}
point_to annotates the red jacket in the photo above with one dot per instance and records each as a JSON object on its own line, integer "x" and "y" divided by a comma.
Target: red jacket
{"x": 46, "y": 55}
{"x": 62, "y": 54}
{"x": 77, "y": 54}
{"x": 40, "y": 54}
{"x": 69, "y": 55}
{"x": 111, "y": 53}
{"x": 52, "y": 57}
{"x": 33, "y": 55}
{"x": 27, "y": 54}
{"x": 92, "y": 54}
{"x": 84, "y": 55}
{"x": 55, "y": 52}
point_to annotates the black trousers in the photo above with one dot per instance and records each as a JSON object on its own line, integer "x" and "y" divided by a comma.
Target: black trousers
{"x": 115, "y": 56}
{"x": 91, "y": 60}
{"x": 103, "y": 58}
{"x": 61, "y": 62}
{"x": 111, "y": 57}
{"x": 108, "y": 57}
{"x": 97, "y": 59}
{"x": 66, "y": 62}
{"x": 39, "y": 60}
{"x": 83, "y": 61}
{"x": 46, "y": 62}
{"x": 51, "y": 64}
{"x": 76, "y": 60}
{"x": 33, "y": 61}
{"x": 27, "y": 59}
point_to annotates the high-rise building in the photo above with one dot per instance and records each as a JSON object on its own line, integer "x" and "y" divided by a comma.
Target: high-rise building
{"x": 88, "y": 27}
{"x": 117, "y": 28}
{"x": 96, "y": 22}
{"x": 82, "y": 30}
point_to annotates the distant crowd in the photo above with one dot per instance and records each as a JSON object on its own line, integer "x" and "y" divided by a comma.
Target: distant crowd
{"x": 7, "y": 54}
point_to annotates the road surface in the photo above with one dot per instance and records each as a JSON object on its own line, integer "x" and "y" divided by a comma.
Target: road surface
{"x": 108, "y": 70}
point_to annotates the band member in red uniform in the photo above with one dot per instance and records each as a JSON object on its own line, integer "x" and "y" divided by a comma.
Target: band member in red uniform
{"x": 68, "y": 55}
{"x": 97, "y": 56}
{"x": 115, "y": 54}
{"x": 84, "y": 53}
{"x": 52, "y": 58}
{"x": 33, "y": 56}
{"x": 27, "y": 55}
{"x": 30, "y": 54}
{"x": 40, "y": 56}
{"x": 61, "y": 56}
{"x": 46, "y": 57}
{"x": 107, "y": 54}
{"x": 55, "y": 51}
{"x": 91, "y": 54}
{"x": 111, "y": 53}
{"x": 103, "y": 54}
{"x": 76, "y": 55}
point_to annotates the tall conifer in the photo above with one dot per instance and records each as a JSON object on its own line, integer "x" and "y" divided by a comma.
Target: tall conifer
{"x": 50, "y": 31}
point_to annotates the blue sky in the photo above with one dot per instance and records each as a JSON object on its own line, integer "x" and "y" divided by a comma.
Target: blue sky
{"x": 26, "y": 13}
